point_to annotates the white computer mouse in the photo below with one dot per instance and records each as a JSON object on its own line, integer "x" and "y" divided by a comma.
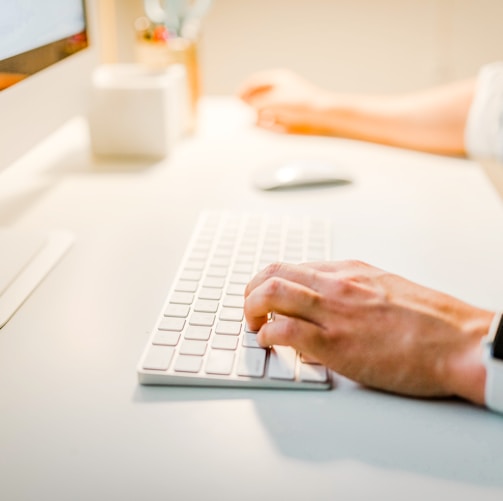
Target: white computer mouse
{"x": 299, "y": 174}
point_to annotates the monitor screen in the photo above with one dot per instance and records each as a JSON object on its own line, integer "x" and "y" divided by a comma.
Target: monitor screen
{"x": 37, "y": 34}
{"x": 45, "y": 64}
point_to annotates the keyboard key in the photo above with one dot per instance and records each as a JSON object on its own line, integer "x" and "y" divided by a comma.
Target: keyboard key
{"x": 195, "y": 264}
{"x": 176, "y": 310}
{"x": 229, "y": 328}
{"x": 168, "y": 338}
{"x": 190, "y": 347}
{"x": 233, "y": 301}
{"x": 190, "y": 275}
{"x": 199, "y": 255}
{"x": 202, "y": 319}
{"x": 217, "y": 271}
{"x": 210, "y": 293}
{"x": 282, "y": 362}
{"x": 171, "y": 324}
{"x": 188, "y": 363}
{"x": 250, "y": 340}
{"x": 223, "y": 252}
{"x": 292, "y": 258}
{"x": 243, "y": 268}
{"x": 245, "y": 258}
{"x": 248, "y": 248}
{"x": 158, "y": 358}
{"x": 232, "y": 314}
{"x": 269, "y": 257}
{"x": 251, "y": 362}
{"x": 219, "y": 261}
{"x": 201, "y": 251}
{"x": 240, "y": 278}
{"x": 199, "y": 332}
{"x": 206, "y": 306}
{"x": 224, "y": 342}
{"x": 236, "y": 289}
{"x": 186, "y": 286}
{"x": 313, "y": 373}
{"x": 182, "y": 298}
{"x": 220, "y": 362}
{"x": 215, "y": 282}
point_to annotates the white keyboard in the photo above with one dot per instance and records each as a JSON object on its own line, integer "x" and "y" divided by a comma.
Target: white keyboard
{"x": 201, "y": 337}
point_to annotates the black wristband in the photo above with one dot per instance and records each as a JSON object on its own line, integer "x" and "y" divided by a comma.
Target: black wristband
{"x": 497, "y": 349}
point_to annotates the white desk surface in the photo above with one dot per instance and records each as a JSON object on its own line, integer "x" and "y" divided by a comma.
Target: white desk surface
{"x": 75, "y": 424}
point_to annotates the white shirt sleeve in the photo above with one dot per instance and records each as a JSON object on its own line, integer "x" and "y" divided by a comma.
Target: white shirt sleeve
{"x": 484, "y": 127}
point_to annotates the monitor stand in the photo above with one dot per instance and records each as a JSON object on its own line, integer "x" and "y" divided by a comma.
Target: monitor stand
{"x": 25, "y": 259}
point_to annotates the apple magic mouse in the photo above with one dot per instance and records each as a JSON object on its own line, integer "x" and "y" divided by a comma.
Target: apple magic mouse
{"x": 299, "y": 174}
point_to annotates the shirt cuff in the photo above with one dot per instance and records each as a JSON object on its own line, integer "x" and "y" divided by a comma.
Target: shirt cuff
{"x": 484, "y": 126}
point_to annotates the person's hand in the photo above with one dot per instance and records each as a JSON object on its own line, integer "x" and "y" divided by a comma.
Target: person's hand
{"x": 374, "y": 327}
{"x": 286, "y": 102}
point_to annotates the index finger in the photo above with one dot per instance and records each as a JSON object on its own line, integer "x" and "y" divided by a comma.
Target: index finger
{"x": 277, "y": 295}
{"x": 300, "y": 274}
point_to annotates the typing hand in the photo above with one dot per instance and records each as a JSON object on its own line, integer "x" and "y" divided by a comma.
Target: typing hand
{"x": 374, "y": 327}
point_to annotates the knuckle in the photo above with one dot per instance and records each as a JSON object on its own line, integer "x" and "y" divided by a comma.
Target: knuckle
{"x": 272, "y": 287}
{"x": 353, "y": 264}
{"x": 352, "y": 273}
{"x": 342, "y": 285}
{"x": 288, "y": 327}
{"x": 286, "y": 332}
{"x": 271, "y": 270}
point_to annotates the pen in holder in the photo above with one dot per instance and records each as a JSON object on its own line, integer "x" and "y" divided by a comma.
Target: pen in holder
{"x": 169, "y": 35}
{"x": 184, "y": 51}
{"x": 160, "y": 54}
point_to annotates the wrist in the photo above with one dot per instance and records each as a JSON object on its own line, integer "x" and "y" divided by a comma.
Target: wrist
{"x": 342, "y": 115}
{"x": 361, "y": 117}
{"x": 467, "y": 370}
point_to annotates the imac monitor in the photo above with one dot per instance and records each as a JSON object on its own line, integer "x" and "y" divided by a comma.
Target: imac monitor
{"x": 45, "y": 65}
{"x": 45, "y": 61}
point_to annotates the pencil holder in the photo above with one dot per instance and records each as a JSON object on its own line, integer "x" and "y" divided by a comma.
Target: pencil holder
{"x": 137, "y": 111}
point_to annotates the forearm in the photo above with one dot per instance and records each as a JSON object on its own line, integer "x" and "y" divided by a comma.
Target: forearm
{"x": 431, "y": 121}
